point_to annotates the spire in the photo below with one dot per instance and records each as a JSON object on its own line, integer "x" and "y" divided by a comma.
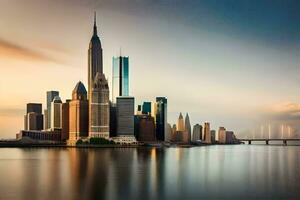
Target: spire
{"x": 95, "y": 25}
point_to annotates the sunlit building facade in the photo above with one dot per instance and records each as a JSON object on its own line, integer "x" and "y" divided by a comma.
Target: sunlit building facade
{"x": 50, "y": 97}
{"x": 207, "y": 133}
{"x": 78, "y": 115}
{"x": 56, "y": 113}
{"x": 99, "y": 108}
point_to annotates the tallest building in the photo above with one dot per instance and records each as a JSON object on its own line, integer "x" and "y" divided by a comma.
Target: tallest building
{"x": 97, "y": 89}
{"x": 95, "y": 60}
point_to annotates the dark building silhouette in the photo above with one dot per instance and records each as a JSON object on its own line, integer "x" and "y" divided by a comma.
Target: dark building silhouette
{"x": 161, "y": 118}
{"x": 65, "y": 120}
{"x": 112, "y": 120}
{"x": 146, "y": 109}
{"x": 145, "y": 128}
{"x": 33, "y": 119}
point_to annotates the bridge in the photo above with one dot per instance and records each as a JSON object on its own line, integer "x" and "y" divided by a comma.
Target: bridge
{"x": 267, "y": 140}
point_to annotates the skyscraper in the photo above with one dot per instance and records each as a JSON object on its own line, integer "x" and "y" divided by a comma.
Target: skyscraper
{"x": 188, "y": 128}
{"x": 197, "y": 132}
{"x": 207, "y": 133}
{"x": 120, "y": 77}
{"x": 65, "y": 120}
{"x": 222, "y": 135}
{"x": 145, "y": 128}
{"x": 50, "y": 97}
{"x": 180, "y": 123}
{"x": 56, "y": 113}
{"x": 125, "y": 116}
{"x": 78, "y": 115}
{"x": 99, "y": 108}
{"x": 161, "y": 118}
{"x": 95, "y": 66}
{"x": 33, "y": 119}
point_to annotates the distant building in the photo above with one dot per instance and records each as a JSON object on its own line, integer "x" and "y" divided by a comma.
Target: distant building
{"x": 56, "y": 113}
{"x": 34, "y": 107}
{"x": 120, "y": 77}
{"x": 125, "y": 116}
{"x": 168, "y": 135}
{"x": 161, "y": 117}
{"x": 188, "y": 128}
{"x": 230, "y": 138}
{"x": 54, "y": 135}
{"x": 207, "y": 133}
{"x": 146, "y": 109}
{"x": 180, "y": 123}
{"x": 213, "y": 136}
{"x": 46, "y": 119}
{"x": 197, "y": 132}
{"x": 145, "y": 128}
{"x": 112, "y": 120}
{"x": 33, "y": 119}
{"x": 50, "y": 97}
{"x": 65, "y": 120}
{"x": 99, "y": 108}
{"x": 78, "y": 114}
{"x": 222, "y": 135}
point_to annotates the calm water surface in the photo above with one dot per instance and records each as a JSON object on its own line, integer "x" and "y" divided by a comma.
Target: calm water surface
{"x": 215, "y": 172}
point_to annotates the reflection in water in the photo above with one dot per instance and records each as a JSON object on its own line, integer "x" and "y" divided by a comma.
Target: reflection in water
{"x": 150, "y": 173}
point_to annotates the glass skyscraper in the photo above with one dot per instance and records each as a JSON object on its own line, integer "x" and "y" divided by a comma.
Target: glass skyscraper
{"x": 120, "y": 77}
{"x": 161, "y": 118}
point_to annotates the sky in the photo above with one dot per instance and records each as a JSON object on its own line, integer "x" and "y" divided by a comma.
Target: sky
{"x": 232, "y": 63}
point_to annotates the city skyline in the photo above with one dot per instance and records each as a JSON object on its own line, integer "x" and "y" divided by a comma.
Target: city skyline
{"x": 211, "y": 104}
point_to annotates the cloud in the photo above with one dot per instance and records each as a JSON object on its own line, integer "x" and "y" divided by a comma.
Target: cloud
{"x": 288, "y": 111}
{"x": 11, "y": 50}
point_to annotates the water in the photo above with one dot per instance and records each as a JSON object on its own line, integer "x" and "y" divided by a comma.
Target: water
{"x": 215, "y": 172}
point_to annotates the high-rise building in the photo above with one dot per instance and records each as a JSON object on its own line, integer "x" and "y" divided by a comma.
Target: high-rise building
{"x": 99, "y": 108}
{"x": 120, "y": 77}
{"x": 33, "y": 119}
{"x": 145, "y": 128}
{"x": 146, "y": 109}
{"x": 222, "y": 135}
{"x": 112, "y": 120}
{"x": 56, "y": 113}
{"x": 46, "y": 119}
{"x": 65, "y": 120}
{"x": 125, "y": 116}
{"x": 95, "y": 66}
{"x": 213, "y": 136}
{"x": 161, "y": 118}
{"x": 188, "y": 128}
{"x": 50, "y": 97}
{"x": 180, "y": 123}
{"x": 197, "y": 132}
{"x": 34, "y": 107}
{"x": 78, "y": 115}
{"x": 168, "y": 135}
{"x": 207, "y": 134}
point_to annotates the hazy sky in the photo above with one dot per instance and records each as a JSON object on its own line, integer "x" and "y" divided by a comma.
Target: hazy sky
{"x": 234, "y": 63}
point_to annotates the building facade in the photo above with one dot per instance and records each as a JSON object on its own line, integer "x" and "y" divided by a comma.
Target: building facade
{"x": 78, "y": 114}
{"x": 99, "y": 108}
{"x": 56, "y": 113}
{"x": 50, "y": 97}
{"x": 222, "y": 135}
{"x": 161, "y": 117}
{"x": 65, "y": 120}
{"x": 145, "y": 128}
{"x": 33, "y": 119}
{"x": 188, "y": 127}
{"x": 125, "y": 116}
{"x": 197, "y": 132}
{"x": 207, "y": 134}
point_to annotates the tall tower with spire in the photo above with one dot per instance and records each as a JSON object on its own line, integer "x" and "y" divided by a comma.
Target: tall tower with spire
{"x": 98, "y": 91}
